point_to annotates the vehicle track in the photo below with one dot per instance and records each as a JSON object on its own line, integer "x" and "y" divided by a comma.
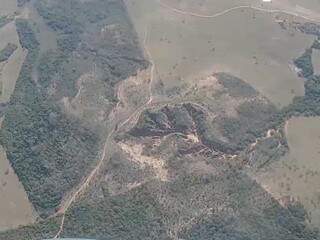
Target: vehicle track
{"x": 134, "y": 116}
{"x": 84, "y": 185}
{"x": 82, "y": 188}
{"x": 224, "y": 12}
{"x": 137, "y": 112}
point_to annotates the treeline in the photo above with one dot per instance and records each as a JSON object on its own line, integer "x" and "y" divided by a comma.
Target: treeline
{"x": 21, "y": 3}
{"x": 48, "y": 151}
{"x": 4, "y": 20}
{"x": 7, "y": 51}
{"x": 309, "y": 104}
{"x": 83, "y": 27}
{"x": 304, "y": 63}
{"x": 43, "y": 230}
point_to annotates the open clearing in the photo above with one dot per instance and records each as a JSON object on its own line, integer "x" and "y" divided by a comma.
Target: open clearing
{"x": 10, "y": 74}
{"x": 8, "y": 7}
{"x": 255, "y": 49}
{"x": 156, "y": 185}
{"x": 46, "y": 37}
{"x": 9, "y": 71}
{"x": 8, "y": 34}
{"x": 15, "y": 208}
{"x": 297, "y": 175}
{"x": 307, "y": 8}
{"x": 316, "y": 61}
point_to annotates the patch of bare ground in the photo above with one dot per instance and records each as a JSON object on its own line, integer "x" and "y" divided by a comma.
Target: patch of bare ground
{"x": 135, "y": 152}
{"x": 90, "y": 102}
{"x": 215, "y": 99}
{"x": 129, "y": 92}
{"x": 208, "y": 80}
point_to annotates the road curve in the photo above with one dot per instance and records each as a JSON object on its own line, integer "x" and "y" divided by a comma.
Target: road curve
{"x": 224, "y": 12}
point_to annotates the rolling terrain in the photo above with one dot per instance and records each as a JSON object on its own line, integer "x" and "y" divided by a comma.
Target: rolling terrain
{"x": 160, "y": 119}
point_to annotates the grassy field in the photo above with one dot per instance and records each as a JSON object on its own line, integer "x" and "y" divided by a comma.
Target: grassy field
{"x": 10, "y": 73}
{"x": 178, "y": 174}
{"x": 208, "y": 7}
{"x": 8, "y": 34}
{"x": 297, "y": 174}
{"x": 255, "y": 49}
{"x": 9, "y": 70}
{"x": 316, "y": 61}
{"x": 15, "y": 208}
{"x": 307, "y": 8}
{"x": 8, "y": 7}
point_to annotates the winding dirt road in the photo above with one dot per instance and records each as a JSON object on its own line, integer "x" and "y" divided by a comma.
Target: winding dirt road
{"x": 193, "y": 14}
{"x": 84, "y": 185}
{"x": 134, "y": 116}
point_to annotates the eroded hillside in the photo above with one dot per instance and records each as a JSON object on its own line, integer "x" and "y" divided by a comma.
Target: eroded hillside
{"x": 121, "y": 126}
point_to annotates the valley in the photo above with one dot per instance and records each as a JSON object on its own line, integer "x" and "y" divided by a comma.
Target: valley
{"x": 160, "y": 119}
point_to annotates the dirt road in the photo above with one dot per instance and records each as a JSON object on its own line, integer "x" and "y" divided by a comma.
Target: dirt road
{"x": 116, "y": 125}
{"x": 192, "y": 14}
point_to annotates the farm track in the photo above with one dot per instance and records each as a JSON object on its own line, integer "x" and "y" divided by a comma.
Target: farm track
{"x": 133, "y": 117}
{"x": 224, "y": 12}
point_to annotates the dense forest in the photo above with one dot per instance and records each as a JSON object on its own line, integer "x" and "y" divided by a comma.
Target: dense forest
{"x": 49, "y": 150}
{"x": 52, "y": 150}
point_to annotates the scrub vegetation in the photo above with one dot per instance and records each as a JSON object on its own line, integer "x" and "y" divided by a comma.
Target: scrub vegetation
{"x": 4, "y": 20}
{"x": 175, "y": 167}
{"x": 7, "y": 52}
{"x": 49, "y": 150}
